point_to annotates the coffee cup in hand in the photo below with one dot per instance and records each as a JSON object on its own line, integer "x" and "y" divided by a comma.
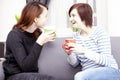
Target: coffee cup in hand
{"x": 51, "y": 31}
{"x": 66, "y": 42}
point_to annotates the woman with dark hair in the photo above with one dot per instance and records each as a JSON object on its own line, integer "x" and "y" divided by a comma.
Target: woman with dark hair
{"x": 24, "y": 44}
{"x": 92, "y": 48}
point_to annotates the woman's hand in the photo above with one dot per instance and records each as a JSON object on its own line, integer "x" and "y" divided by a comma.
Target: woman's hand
{"x": 66, "y": 48}
{"x": 46, "y": 37}
{"x": 76, "y": 48}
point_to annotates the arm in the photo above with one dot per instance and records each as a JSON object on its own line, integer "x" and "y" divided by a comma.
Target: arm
{"x": 103, "y": 56}
{"x": 99, "y": 50}
{"x": 27, "y": 60}
{"x": 72, "y": 59}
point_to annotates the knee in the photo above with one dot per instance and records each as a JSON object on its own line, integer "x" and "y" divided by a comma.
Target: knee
{"x": 78, "y": 76}
{"x": 81, "y": 76}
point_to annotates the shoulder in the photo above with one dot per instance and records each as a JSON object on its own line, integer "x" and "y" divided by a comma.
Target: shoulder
{"x": 99, "y": 30}
{"x": 101, "y": 33}
{"x": 14, "y": 34}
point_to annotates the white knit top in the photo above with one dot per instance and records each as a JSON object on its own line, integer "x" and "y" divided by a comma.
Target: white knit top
{"x": 98, "y": 43}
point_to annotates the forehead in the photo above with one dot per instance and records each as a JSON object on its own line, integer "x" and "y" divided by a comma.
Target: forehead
{"x": 43, "y": 8}
{"x": 44, "y": 11}
{"x": 74, "y": 11}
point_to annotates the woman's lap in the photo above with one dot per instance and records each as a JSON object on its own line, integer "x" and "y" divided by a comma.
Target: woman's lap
{"x": 30, "y": 76}
{"x": 102, "y": 73}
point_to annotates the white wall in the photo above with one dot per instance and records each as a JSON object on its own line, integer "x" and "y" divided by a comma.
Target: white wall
{"x": 108, "y": 14}
{"x": 58, "y": 11}
{"x": 114, "y": 17}
{"x": 58, "y": 16}
{"x": 7, "y": 19}
{"x": 102, "y": 13}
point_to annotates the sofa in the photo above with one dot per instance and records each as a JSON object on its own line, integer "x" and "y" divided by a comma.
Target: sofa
{"x": 53, "y": 60}
{"x": 2, "y": 49}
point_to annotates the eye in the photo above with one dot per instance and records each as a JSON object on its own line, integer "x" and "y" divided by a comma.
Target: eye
{"x": 73, "y": 15}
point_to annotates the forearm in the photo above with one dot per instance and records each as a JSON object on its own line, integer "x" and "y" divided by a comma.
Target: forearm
{"x": 29, "y": 62}
{"x": 72, "y": 59}
{"x": 104, "y": 59}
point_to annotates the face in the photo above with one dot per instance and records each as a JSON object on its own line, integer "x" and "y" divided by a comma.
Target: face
{"x": 41, "y": 20}
{"x": 76, "y": 20}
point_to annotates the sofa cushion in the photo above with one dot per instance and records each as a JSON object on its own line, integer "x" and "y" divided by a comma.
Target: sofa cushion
{"x": 2, "y": 49}
{"x": 53, "y": 61}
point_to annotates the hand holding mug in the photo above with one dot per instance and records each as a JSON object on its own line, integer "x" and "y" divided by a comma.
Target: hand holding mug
{"x": 65, "y": 45}
{"x": 51, "y": 32}
{"x": 46, "y": 36}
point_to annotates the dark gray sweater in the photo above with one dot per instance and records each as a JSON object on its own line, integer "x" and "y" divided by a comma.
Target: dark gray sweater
{"x": 22, "y": 53}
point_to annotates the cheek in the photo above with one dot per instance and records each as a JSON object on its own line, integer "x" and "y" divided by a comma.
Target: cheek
{"x": 39, "y": 24}
{"x": 42, "y": 21}
{"x": 45, "y": 20}
{"x": 80, "y": 22}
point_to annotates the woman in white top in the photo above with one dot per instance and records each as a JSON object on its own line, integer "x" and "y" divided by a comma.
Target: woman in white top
{"x": 92, "y": 48}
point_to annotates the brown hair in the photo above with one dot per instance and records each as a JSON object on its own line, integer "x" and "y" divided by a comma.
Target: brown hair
{"x": 29, "y": 12}
{"x": 85, "y": 12}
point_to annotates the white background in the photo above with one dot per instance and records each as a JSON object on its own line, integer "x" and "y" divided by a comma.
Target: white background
{"x": 108, "y": 15}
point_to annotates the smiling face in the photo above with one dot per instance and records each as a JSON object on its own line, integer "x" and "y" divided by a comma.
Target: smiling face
{"x": 76, "y": 20}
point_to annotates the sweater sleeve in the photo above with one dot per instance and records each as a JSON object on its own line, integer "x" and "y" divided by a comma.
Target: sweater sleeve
{"x": 26, "y": 61}
{"x": 103, "y": 57}
{"x": 72, "y": 59}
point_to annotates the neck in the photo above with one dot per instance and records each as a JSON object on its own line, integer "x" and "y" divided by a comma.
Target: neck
{"x": 31, "y": 28}
{"x": 86, "y": 32}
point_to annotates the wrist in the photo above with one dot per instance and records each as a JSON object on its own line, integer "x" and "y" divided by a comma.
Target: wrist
{"x": 68, "y": 53}
{"x": 39, "y": 42}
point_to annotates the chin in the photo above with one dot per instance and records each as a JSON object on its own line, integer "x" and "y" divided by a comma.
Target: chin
{"x": 74, "y": 26}
{"x": 41, "y": 26}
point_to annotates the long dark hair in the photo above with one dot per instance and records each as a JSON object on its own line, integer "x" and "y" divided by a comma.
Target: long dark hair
{"x": 29, "y": 12}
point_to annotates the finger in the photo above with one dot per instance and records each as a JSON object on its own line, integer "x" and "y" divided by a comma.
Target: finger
{"x": 71, "y": 44}
{"x": 51, "y": 32}
{"x": 72, "y": 49}
{"x": 53, "y": 37}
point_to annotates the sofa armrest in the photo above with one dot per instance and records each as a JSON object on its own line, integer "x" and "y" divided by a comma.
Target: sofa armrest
{"x": 115, "y": 47}
{"x": 1, "y": 71}
{"x": 2, "y": 49}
